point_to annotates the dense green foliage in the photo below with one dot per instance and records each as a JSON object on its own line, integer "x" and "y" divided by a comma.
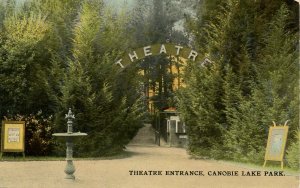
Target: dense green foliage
{"x": 229, "y": 105}
{"x": 152, "y": 22}
{"x": 38, "y": 132}
{"x": 56, "y": 55}
{"x": 293, "y": 153}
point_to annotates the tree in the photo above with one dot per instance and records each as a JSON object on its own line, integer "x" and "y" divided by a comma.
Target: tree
{"x": 57, "y": 55}
{"x": 154, "y": 22}
{"x": 276, "y": 94}
{"x": 250, "y": 64}
{"x": 30, "y": 78}
{"x": 26, "y": 51}
{"x": 199, "y": 105}
{"x": 110, "y": 116}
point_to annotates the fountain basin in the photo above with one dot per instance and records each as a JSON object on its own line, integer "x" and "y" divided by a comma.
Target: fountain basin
{"x": 67, "y": 135}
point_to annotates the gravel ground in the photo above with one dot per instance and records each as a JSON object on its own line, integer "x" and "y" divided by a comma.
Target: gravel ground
{"x": 116, "y": 173}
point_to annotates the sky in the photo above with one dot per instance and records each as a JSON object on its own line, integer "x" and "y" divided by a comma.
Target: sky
{"x": 112, "y": 2}
{"x": 117, "y": 4}
{"x": 120, "y": 2}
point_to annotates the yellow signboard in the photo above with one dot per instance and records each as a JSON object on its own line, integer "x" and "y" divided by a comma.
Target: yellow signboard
{"x": 276, "y": 143}
{"x": 13, "y": 136}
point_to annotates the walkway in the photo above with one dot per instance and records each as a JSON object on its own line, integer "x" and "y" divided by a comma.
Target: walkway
{"x": 116, "y": 173}
{"x": 146, "y": 137}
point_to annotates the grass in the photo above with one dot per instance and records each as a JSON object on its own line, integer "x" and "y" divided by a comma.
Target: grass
{"x": 30, "y": 158}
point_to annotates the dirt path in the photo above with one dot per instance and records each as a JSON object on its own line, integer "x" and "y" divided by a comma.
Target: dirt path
{"x": 146, "y": 137}
{"x": 116, "y": 173}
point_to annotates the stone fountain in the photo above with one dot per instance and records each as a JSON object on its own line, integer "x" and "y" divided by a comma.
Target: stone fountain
{"x": 69, "y": 136}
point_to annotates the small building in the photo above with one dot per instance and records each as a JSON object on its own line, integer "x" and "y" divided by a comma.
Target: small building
{"x": 173, "y": 129}
{"x": 176, "y": 131}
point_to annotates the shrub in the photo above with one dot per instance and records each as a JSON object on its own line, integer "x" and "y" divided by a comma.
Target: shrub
{"x": 38, "y": 133}
{"x": 293, "y": 156}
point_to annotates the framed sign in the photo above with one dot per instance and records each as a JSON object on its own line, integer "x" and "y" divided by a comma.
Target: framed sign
{"x": 276, "y": 143}
{"x": 13, "y": 136}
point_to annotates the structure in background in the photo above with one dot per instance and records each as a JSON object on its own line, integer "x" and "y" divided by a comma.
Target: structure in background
{"x": 171, "y": 128}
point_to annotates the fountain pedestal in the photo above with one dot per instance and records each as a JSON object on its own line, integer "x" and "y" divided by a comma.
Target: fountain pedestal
{"x": 69, "y": 136}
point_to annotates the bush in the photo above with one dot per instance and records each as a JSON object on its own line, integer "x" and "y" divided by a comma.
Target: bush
{"x": 293, "y": 153}
{"x": 38, "y": 133}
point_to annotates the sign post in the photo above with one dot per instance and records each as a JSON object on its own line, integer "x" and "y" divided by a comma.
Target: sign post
{"x": 13, "y": 137}
{"x": 276, "y": 143}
